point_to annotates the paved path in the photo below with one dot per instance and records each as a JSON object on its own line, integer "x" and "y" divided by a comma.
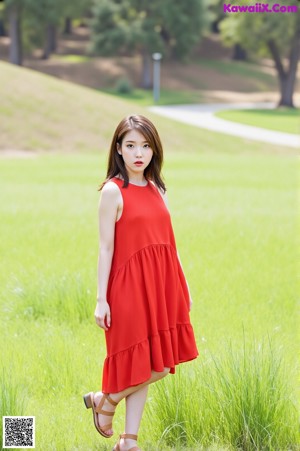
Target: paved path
{"x": 203, "y": 116}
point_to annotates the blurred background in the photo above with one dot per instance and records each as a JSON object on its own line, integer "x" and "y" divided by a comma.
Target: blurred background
{"x": 208, "y": 55}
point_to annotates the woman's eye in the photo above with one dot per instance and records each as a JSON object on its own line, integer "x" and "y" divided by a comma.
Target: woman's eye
{"x": 131, "y": 146}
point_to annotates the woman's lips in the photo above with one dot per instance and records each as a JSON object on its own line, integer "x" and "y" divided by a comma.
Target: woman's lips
{"x": 139, "y": 163}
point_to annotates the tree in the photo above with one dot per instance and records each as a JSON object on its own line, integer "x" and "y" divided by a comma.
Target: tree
{"x": 239, "y": 53}
{"x": 2, "y": 24}
{"x": 74, "y": 10}
{"x": 43, "y": 19}
{"x": 14, "y": 10}
{"x": 129, "y": 26}
{"x": 36, "y": 23}
{"x": 275, "y": 34}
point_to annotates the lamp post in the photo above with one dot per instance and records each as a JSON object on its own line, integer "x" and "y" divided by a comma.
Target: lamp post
{"x": 156, "y": 76}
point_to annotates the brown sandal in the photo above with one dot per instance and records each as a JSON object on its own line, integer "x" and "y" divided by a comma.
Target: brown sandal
{"x": 132, "y": 436}
{"x": 89, "y": 403}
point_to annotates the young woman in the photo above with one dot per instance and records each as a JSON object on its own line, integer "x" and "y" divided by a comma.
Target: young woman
{"x": 143, "y": 300}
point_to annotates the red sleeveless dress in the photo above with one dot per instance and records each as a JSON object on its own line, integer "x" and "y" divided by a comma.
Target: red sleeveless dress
{"x": 147, "y": 293}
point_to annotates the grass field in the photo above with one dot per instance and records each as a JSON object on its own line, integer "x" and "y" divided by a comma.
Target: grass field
{"x": 241, "y": 69}
{"x": 234, "y": 219}
{"x": 234, "y": 212}
{"x": 283, "y": 119}
{"x": 143, "y": 97}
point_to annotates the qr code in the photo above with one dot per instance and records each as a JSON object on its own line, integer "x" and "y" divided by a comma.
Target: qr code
{"x": 18, "y": 432}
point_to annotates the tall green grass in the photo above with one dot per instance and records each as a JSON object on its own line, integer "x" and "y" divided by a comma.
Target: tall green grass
{"x": 12, "y": 399}
{"x": 64, "y": 298}
{"x": 240, "y": 398}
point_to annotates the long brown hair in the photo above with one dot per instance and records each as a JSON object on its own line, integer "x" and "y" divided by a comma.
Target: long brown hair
{"x": 115, "y": 160}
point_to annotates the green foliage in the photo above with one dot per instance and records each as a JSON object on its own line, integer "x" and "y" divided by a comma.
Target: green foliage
{"x": 123, "y": 86}
{"x": 118, "y": 27}
{"x": 37, "y": 14}
{"x": 131, "y": 25}
{"x": 35, "y": 17}
{"x": 253, "y": 31}
{"x": 183, "y": 25}
{"x": 216, "y": 10}
{"x": 9, "y": 3}
{"x": 44, "y": 11}
{"x": 76, "y": 8}
{"x": 269, "y": 33}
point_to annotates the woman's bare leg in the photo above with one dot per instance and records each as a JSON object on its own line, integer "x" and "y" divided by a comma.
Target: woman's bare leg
{"x": 135, "y": 404}
{"x": 103, "y": 419}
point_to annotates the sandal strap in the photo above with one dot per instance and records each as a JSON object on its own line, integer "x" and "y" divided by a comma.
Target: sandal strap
{"x": 109, "y": 399}
{"x": 132, "y": 436}
{"x": 106, "y": 427}
{"x": 104, "y": 412}
{"x": 98, "y": 409}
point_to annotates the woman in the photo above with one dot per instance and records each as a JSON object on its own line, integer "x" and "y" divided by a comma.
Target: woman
{"x": 143, "y": 300}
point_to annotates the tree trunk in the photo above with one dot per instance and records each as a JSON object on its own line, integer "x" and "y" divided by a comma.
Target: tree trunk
{"x": 68, "y": 25}
{"x": 287, "y": 77}
{"x": 286, "y": 92}
{"x": 15, "y": 48}
{"x": 2, "y": 28}
{"x": 52, "y": 38}
{"x": 215, "y": 26}
{"x": 288, "y": 83}
{"x": 50, "y": 41}
{"x": 239, "y": 53}
{"x": 146, "y": 71}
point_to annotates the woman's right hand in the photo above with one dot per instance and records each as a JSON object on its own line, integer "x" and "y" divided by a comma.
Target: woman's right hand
{"x": 102, "y": 314}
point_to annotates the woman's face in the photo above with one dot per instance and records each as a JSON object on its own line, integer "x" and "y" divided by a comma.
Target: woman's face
{"x": 135, "y": 149}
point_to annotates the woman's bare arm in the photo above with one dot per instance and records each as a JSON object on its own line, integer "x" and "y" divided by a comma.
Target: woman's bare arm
{"x": 108, "y": 207}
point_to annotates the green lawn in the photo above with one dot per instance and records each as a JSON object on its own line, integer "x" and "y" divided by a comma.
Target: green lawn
{"x": 76, "y": 59}
{"x": 242, "y": 69}
{"x": 144, "y": 97}
{"x": 282, "y": 119}
{"x": 234, "y": 218}
{"x": 234, "y": 212}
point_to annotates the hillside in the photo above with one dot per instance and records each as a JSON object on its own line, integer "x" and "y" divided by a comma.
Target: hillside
{"x": 42, "y": 113}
